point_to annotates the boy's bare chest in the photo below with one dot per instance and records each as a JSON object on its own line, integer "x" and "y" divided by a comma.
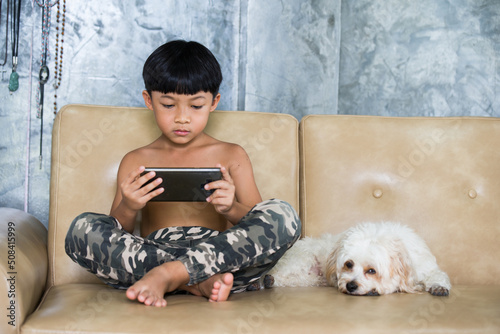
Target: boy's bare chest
{"x": 158, "y": 215}
{"x": 187, "y": 158}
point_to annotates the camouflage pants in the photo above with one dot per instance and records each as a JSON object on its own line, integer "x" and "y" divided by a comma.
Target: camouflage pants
{"x": 248, "y": 250}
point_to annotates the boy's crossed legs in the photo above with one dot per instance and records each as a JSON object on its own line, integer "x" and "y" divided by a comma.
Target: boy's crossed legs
{"x": 195, "y": 259}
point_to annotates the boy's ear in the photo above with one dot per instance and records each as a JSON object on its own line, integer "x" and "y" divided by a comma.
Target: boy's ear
{"x": 147, "y": 99}
{"x": 215, "y": 102}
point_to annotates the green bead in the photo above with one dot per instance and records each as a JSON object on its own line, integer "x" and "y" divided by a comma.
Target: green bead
{"x": 14, "y": 81}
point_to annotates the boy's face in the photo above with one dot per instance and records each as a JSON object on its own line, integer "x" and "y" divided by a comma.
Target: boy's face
{"x": 181, "y": 118}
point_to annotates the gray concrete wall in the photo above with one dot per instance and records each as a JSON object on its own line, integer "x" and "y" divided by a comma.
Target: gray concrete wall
{"x": 278, "y": 56}
{"x": 420, "y": 58}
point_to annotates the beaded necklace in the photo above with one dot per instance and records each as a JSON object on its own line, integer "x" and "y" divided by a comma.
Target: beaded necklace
{"x": 6, "y": 31}
{"x": 59, "y": 51}
{"x": 43, "y": 76}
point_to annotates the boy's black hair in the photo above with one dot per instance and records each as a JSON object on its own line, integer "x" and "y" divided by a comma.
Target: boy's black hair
{"x": 182, "y": 67}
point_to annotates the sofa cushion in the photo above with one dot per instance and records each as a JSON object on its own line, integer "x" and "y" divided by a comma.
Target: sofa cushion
{"x": 89, "y": 142}
{"x": 23, "y": 266}
{"x": 441, "y": 176}
{"x": 94, "y": 308}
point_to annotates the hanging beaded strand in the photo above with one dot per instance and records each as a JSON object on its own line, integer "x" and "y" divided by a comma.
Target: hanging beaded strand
{"x": 44, "y": 70}
{"x": 59, "y": 50}
{"x": 6, "y": 32}
{"x": 46, "y": 7}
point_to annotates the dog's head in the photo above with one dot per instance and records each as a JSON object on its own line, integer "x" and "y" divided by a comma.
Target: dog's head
{"x": 367, "y": 261}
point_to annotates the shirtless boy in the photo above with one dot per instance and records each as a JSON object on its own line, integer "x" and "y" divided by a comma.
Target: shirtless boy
{"x": 213, "y": 249}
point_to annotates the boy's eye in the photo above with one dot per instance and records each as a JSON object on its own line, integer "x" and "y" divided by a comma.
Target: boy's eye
{"x": 168, "y": 106}
{"x": 197, "y": 107}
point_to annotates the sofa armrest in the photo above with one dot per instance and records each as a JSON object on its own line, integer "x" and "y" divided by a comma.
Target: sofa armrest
{"x": 23, "y": 266}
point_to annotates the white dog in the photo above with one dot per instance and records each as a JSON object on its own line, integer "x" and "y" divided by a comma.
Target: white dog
{"x": 368, "y": 259}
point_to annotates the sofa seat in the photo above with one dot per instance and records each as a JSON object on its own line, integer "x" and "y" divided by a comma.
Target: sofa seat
{"x": 95, "y": 308}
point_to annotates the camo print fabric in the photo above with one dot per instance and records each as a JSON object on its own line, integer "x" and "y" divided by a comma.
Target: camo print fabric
{"x": 249, "y": 249}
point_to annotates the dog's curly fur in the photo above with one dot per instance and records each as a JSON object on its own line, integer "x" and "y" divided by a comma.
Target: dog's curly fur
{"x": 367, "y": 259}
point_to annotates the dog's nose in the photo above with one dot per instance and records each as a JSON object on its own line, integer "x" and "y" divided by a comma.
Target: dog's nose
{"x": 351, "y": 286}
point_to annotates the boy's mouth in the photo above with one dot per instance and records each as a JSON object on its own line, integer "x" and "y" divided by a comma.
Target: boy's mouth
{"x": 181, "y": 132}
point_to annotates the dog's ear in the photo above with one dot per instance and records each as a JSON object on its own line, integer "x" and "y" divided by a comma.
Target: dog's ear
{"x": 331, "y": 269}
{"x": 331, "y": 264}
{"x": 402, "y": 268}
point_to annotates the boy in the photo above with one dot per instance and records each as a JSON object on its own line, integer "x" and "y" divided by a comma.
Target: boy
{"x": 209, "y": 250}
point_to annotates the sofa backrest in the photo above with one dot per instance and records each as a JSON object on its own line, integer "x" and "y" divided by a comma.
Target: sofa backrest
{"x": 89, "y": 142}
{"x": 441, "y": 176}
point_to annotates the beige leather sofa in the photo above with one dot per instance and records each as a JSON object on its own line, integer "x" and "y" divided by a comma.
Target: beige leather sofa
{"x": 439, "y": 175}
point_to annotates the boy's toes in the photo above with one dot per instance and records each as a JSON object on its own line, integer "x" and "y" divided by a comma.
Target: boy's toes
{"x": 131, "y": 294}
{"x": 142, "y": 297}
{"x": 150, "y": 300}
{"x": 437, "y": 290}
{"x": 160, "y": 303}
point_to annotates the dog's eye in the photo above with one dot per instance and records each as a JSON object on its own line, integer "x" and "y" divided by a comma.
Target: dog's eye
{"x": 349, "y": 264}
{"x": 371, "y": 271}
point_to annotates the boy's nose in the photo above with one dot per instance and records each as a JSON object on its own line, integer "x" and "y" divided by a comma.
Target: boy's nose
{"x": 182, "y": 117}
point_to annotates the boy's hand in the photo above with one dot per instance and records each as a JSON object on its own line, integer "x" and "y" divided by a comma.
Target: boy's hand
{"x": 133, "y": 196}
{"x": 223, "y": 197}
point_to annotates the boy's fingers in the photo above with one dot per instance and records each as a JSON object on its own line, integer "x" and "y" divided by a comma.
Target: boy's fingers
{"x": 216, "y": 185}
{"x": 150, "y": 186}
{"x": 137, "y": 182}
{"x": 136, "y": 173}
{"x": 225, "y": 173}
{"x": 219, "y": 184}
{"x": 143, "y": 179}
{"x": 146, "y": 177}
{"x": 154, "y": 193}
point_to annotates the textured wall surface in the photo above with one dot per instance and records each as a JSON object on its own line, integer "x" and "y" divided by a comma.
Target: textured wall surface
{"x": 292, "y": 56}
{"x": 420, "y": 58}
{"x": 279, "y": 56}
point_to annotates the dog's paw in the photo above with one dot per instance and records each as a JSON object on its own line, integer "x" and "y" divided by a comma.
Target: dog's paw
{"x": 437, "y": 290}
{"x": 268, "y": 281}
{"x": 254, "y": 286}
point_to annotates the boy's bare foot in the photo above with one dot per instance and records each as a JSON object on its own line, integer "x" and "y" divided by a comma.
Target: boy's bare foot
{"x": 217, "y": 288}
{"x": 150, "y": 289}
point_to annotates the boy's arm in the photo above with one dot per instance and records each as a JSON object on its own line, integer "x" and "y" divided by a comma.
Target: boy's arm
{"x": 130, "y": 197}
{"x": 237, "y": 193}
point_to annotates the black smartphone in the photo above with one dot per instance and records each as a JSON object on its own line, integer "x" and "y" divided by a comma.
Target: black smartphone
{"x": 184, "y": 184}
